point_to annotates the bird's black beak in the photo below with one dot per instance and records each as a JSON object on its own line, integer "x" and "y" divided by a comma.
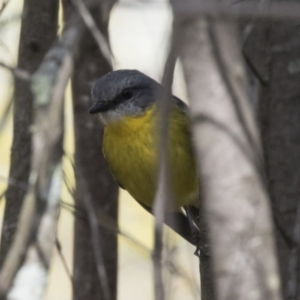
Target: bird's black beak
{"x": 101, "y": 106}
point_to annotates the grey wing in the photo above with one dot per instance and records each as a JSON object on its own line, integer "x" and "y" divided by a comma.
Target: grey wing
{"x": 178, "y": 102}
{"x": 178, "y": 222}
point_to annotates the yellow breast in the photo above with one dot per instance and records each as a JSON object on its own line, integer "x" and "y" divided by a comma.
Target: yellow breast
{"x": 130, "y": 148}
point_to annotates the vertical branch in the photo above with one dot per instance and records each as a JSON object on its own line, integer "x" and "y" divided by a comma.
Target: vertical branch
{"x": 279, "y": 112}
{"x": 48, "y": 85}
{"x": 206, "y": 266}
{"x": 42, "y": 17}
{"x": 31, "y": 279}
{"x": 229, "y": 158}
{"x": 95, "y": 248}
{"x": 163, "y": 193}
{"x": 203, "y": 239}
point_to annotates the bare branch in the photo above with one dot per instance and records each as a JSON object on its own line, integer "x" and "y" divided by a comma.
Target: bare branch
{"x": 163, "y": 193}
{"x": 33, "y": 46}
{"x": 17, "y": 72}
{"x": 4, "y": 4}
{"x": 234, "y": 195}
{"x": 99, "y": 37}
{"x": 48, "y": 85}
{"x": 19, "y": 184}
{"x": 6, "y": 114}
{"x": 32, "y": 284}
{"x": 250, "y": 9}
{"x": 104, "y": 220}
{"x": 63, "y": 260}
{"x": 103, "y": 278}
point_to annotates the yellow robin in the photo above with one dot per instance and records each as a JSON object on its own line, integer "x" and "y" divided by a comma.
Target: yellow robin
{"x": 127, "y": 103}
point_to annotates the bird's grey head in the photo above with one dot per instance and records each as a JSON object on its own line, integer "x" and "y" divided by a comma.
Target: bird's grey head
{"x": 123, "y": 93}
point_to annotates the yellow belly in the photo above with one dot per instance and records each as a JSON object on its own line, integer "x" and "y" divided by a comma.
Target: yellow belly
{"x": 130, "y": 148}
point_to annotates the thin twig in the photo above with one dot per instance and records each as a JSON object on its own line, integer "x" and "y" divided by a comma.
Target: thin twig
{"x": 163, "y": 193}
{"x": 5, "y": 115}
{"x": 4, "y": 4}
{"x": 17, "y": 72}
{"x": 2, "y": 195}
{"x": 8, "y": 20}
{"x": 99, "y": 37}
{"x": 93, "y": 221}
{"x": 169, "y": 263}
{"x": 105, "y": 221}
{"x": 21, "y": 185}
{"x": 63, "y": 260}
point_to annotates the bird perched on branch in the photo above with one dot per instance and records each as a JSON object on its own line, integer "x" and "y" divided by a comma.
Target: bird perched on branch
{"x": 127, "y": 103}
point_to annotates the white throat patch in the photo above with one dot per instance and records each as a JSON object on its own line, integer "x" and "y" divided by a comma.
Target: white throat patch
{"x": 111, "y": 116}
{"x": 121, "y": 111}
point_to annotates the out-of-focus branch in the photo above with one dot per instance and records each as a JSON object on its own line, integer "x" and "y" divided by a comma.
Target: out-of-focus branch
{"x": 3, "y": 5}
{"x": 279, "y": 112}
{"x": 63, "y": 260}
{"x": 32, "y": 48}
{"x": 293, "y": 279}
{"x": 17, "y": 72}
{"x": 41, "y": 201}
{"x": 5, "y": 117}
{"x": 266, "y": 10}
{"x": 104, "y": 282}
{"x": 31, "y": 279}
{"x": 104, "y": 221}
{"x": 47, "y": 153}
{"x": 163, "y": 192}
{"x": 208, "y": 291}
{"x": 95, "y": 247}
{"x": 99, "y": 37}
{"x": 233, "y": 191}
{"x": 203, "y": 243}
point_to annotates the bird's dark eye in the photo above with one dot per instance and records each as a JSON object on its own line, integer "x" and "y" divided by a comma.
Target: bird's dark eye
{"x": 127, "y": 94}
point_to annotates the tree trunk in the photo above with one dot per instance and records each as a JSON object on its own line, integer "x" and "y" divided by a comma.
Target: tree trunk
{"x": 94, "y": 184}
{"x": 279, "y": 117}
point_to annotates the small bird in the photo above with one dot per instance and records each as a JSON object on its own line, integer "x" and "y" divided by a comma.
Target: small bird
{"x": 127, "y": 103}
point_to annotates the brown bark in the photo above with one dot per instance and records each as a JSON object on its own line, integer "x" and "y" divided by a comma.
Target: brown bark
{"x": 208, "y": 291}
{"x": 38, "y": 32}
{"x": 95, "y": 186}
{"x": 279, "y": 117}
